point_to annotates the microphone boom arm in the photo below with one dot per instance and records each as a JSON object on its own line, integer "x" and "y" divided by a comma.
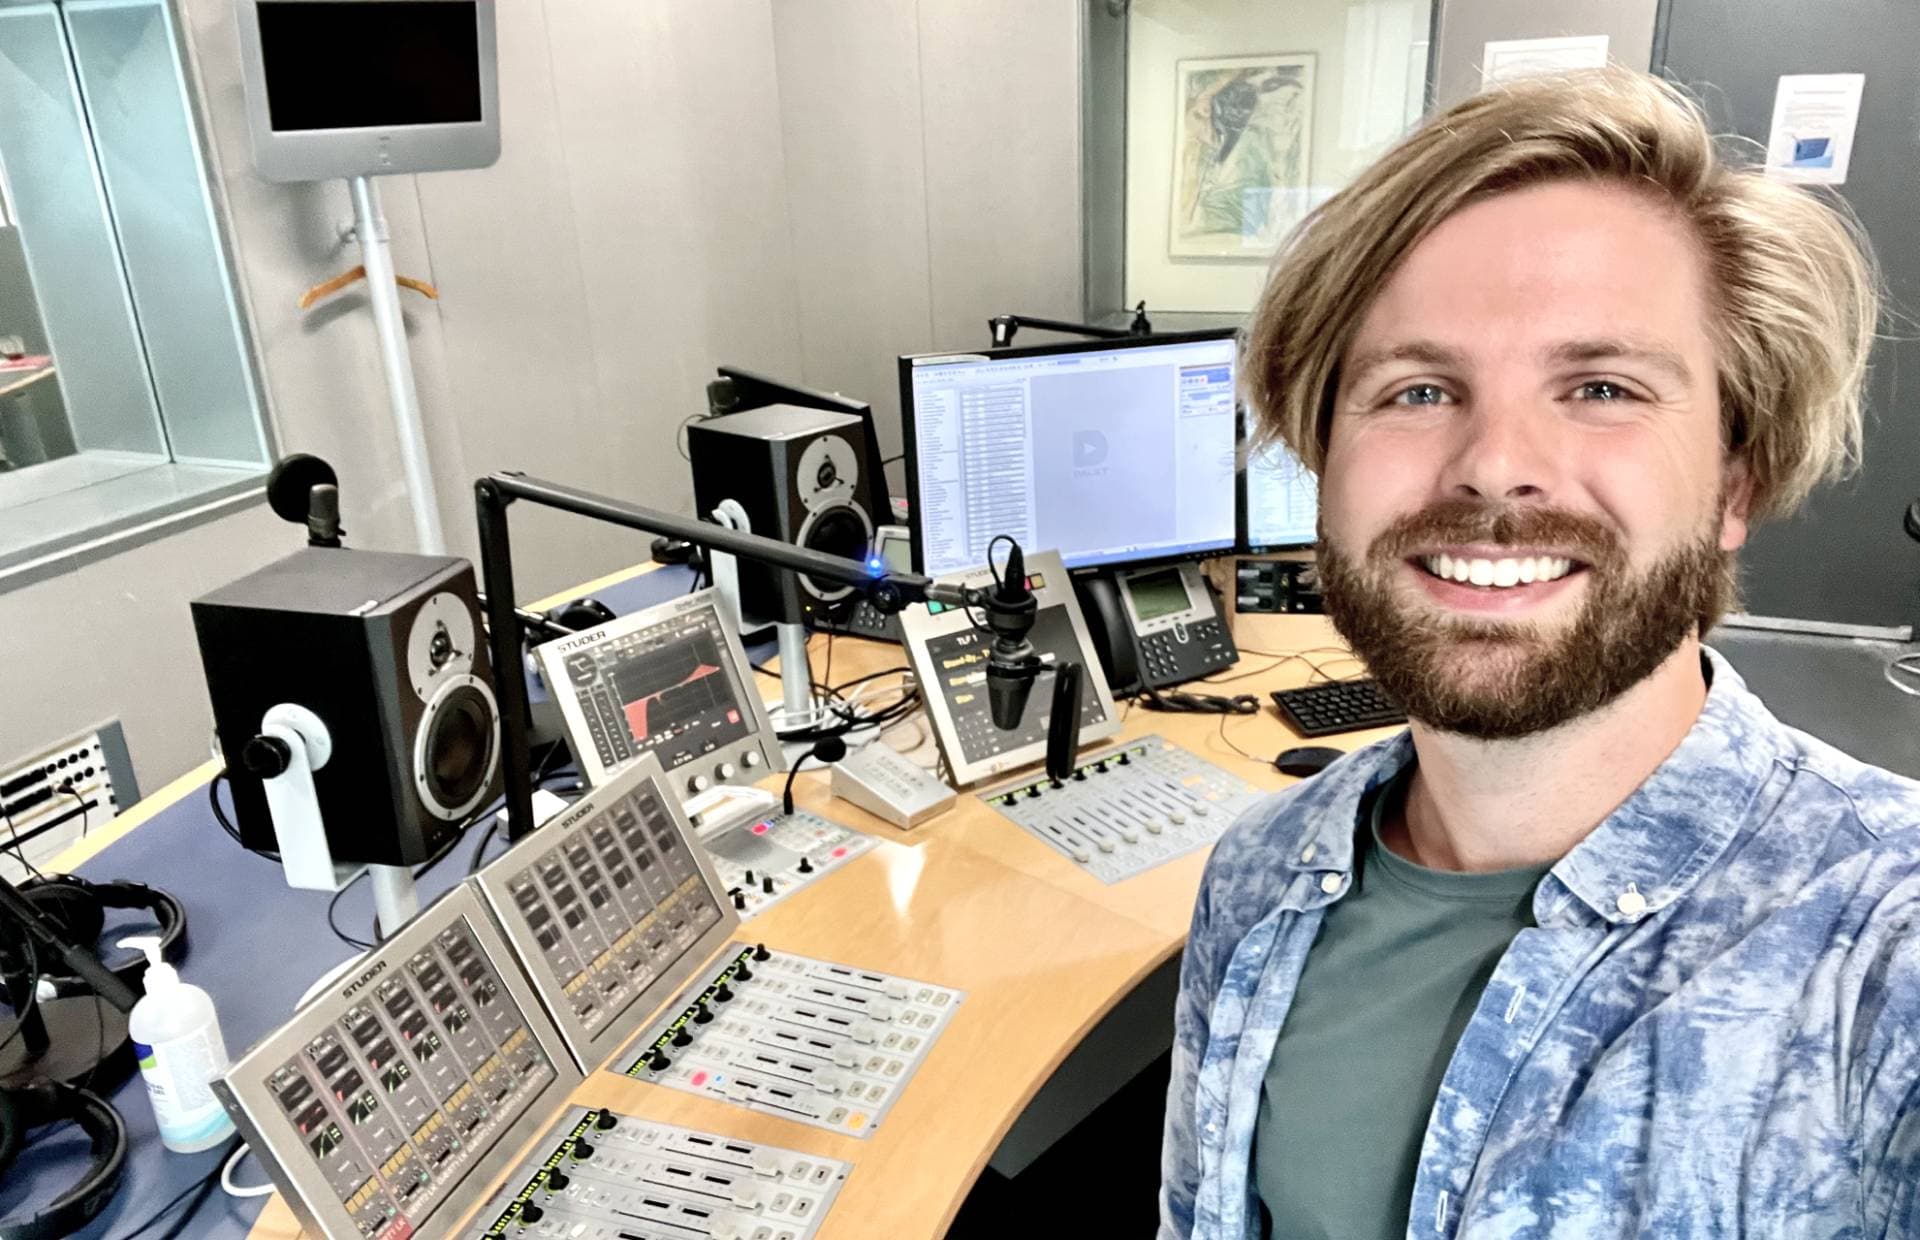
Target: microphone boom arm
{"x": 888, "y": 590}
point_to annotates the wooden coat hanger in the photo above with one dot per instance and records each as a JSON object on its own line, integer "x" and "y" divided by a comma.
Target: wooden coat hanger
{"x": 328, "y": 289}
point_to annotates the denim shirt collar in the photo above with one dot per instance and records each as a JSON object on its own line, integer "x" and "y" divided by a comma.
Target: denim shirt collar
{"x": 1643, "y": 857}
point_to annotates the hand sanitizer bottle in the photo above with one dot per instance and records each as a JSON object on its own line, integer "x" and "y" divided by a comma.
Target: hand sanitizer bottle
{"x": 176, "y": 1037}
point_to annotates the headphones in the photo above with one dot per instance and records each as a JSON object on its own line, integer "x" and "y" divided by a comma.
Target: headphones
{"x": 77, "y": 908}
{"x": 52, "y": 1103}
{"x": 581, "y": 614}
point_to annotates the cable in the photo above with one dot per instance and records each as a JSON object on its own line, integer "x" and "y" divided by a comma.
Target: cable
{"x": 333, "y": 906}
{"x": 79, "y": 800}
{"x": 241, "y": 1190}
{"x": 1906, "y": 664}
{"x": 1230, "y": 745}
{"x": 19, "y": 850}
{"x": 220, "y": 816}
{"x": 1175, "y": 702}
{"x": 33, "y": 990}
{"x": 203, "y": 1185}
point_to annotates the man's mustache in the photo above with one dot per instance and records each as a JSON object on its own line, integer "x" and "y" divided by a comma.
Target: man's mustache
{"x": 1456, "y": 521}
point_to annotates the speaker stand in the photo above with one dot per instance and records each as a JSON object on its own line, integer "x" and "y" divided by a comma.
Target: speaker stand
{"x": 797, "y": 710}
{"x": 395, "y": 900}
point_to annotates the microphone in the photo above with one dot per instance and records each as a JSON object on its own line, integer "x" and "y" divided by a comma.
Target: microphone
{"x": 1012, "y": 664}
{"x": 826, "y": 749}
{"x": 323, "y": 516}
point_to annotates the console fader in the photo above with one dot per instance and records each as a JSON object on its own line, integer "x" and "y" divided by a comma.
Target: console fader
{"x": 599, "y": 1175}
{"x": 1126, "y": 809}
{"x": 825, "y": 1044}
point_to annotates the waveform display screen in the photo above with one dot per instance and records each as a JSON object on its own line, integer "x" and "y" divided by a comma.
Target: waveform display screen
{"x": 669, "y": 689}
{"x": 961, "y": 661}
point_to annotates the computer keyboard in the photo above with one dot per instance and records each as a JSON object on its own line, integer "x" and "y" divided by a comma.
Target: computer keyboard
{"x": 1337, "y": 706}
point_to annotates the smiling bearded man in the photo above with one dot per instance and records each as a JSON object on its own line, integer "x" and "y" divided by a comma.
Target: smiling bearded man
{"x": 1598, "y": 947}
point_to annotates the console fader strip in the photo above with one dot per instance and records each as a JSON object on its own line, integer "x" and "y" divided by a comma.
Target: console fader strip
{"x": 1129, "y": 808}
{"x": 600, "y": 1175}
{"x": 825, "y": 1044}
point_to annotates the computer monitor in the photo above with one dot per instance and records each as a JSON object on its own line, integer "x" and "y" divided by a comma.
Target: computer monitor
{"x": 1113, "y": 452}
{"x": 1279, "y": 502}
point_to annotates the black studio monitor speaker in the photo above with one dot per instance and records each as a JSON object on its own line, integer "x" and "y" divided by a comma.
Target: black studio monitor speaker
{"x": 389, "y": 652}
{"x": 800, "y": 476}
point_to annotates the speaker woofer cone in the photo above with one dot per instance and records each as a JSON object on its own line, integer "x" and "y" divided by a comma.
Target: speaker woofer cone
{"x": 457, "y": 747}
{"x": 841, "y": 530}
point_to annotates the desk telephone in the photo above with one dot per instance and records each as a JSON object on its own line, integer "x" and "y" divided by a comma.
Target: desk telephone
{"x": 1156, "y": 627}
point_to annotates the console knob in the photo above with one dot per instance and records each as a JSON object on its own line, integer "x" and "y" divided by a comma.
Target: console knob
{"x": 556, "y": 1181}
{"x": 723, "y": 994}
{"x": 751, "y": 880}
{"x": 530, "y": 1213}
{"x": 658, "y": 1061}
{"x": 582, "y": 1151}
{"x": 699, "y": 783}
{"x": 805, "y": 866}
{"x": 751, "y": 758}
{"x": 766, "y": 884}
{"x": 702, "y": 1014}
{"x": 681, "y": 1037}
{"x": 739, "y": 898}
{"x": 760, "y": 952}
{"x": 741, "y": 973}
{"x": 607, "y": 1122}
{"x": 725, "y": 770}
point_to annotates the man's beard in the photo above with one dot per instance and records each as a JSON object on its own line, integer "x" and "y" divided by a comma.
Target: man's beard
{"x": 1498, "y": 679}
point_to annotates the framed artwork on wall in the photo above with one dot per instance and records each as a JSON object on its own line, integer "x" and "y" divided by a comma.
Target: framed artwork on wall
{"x": 1242, "y": 141}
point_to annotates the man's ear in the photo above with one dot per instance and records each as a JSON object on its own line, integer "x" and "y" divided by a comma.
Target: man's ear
{"x": 1736, "y": 501}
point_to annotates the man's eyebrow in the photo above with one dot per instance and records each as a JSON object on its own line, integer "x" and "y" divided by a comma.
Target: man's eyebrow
{"x": 1426, "y": 352}
{"x": 1656, "y": 355}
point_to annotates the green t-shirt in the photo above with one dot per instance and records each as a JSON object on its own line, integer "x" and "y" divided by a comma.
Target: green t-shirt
{"x": 1390, "y": 983}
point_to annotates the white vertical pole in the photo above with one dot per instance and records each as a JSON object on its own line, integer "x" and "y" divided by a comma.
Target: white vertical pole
{"x": 377, "y": 256}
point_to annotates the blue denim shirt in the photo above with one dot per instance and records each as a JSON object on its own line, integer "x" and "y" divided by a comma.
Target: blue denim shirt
{"x": 1714, "y": 1029}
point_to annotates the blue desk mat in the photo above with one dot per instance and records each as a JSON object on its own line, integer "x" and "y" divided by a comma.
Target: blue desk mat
{"x": 255, "y": 945}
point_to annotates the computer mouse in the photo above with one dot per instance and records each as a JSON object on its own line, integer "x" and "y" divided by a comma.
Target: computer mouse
{"x": 1306, "y": 760}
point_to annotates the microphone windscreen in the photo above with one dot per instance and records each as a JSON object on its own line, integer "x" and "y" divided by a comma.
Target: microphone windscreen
{"x": 1007, "y": 690}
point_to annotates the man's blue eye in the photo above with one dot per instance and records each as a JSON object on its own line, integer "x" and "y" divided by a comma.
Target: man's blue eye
{"x": 1420, "y": 394}
{"x": 1601, "y": 389}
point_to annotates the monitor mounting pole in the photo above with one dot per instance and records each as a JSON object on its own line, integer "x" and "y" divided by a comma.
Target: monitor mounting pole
{"x": 376, "y": 254}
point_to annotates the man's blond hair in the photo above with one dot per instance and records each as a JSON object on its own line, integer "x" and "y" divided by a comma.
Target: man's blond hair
{"x": 1792, "y": 285}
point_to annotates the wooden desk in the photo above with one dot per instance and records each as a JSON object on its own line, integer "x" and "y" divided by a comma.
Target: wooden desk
{"x": 968, "y": 899}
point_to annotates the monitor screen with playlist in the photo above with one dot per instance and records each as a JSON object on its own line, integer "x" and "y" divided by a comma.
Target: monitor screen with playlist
{"x": 1109, "y": 452}
{"x": 1282, "y": 500}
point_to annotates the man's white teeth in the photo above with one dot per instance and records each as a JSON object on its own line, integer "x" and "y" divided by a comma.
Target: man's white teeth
{"x": 1498, "y": 573}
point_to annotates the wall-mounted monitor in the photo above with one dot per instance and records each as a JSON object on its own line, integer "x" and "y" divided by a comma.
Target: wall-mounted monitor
{"x": 346, "y": 88}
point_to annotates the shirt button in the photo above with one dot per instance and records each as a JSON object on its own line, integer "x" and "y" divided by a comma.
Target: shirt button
{"x": 1312, "y": 851}
{"x": 1330, "y": 883}
{"x": 1631, "y": 903}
